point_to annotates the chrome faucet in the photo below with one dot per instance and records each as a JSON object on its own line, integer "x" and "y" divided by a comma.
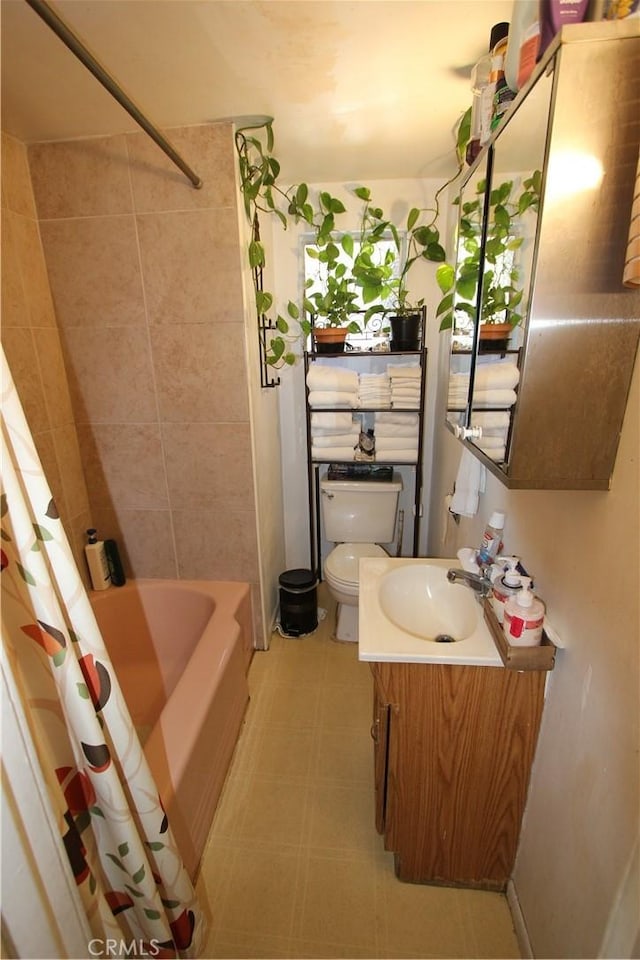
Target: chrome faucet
{"x": 478, "y": 582}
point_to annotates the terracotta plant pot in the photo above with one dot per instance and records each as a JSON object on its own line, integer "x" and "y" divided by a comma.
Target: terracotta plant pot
{"x": 330, "y": 339}
{"x": 494, "y": 336}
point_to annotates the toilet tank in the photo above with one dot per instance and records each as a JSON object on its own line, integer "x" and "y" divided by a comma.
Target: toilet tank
{"x": 359, "y": 511}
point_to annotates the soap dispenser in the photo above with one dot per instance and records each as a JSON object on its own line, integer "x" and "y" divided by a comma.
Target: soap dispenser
{"x": 524, "y": 617}
{"x": 506, "y": 585}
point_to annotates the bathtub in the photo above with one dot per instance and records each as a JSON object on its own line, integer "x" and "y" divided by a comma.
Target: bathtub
{"x": 181, "y": 650}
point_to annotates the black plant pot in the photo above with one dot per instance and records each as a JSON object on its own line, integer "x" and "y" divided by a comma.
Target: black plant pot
{"x": 406, "y": 331}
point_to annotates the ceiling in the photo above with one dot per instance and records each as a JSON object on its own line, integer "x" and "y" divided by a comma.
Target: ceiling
{"x": 365, "y": 90}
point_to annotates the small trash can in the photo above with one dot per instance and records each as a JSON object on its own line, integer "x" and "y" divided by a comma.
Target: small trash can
{"x": 298, "y": 602}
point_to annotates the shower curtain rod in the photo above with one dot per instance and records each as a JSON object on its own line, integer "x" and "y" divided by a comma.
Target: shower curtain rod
{"x": 73, "y": 42}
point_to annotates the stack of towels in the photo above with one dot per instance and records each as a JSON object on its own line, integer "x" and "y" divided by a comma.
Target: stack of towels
{"x": 405, "y": 386}
{"x": 374, "y": 390}
{"x": 397, "y": 437}
{"x": 332, "y": 386}
{"x": 495, "y": 426}
{"x": 494, "y": 386}
{"x": 334, "y": 436}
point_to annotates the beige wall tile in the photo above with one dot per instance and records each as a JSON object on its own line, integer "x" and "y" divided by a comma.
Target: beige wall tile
{"x": 144, "y": 540}
{"x": 110, "y": 374}
{"x": 217, "y": 458}
{"x": 70, "y": 465}
{"x": 124, "y": 465}
{"x": 191, "y": 266}
{"x": 159, "y": 185}
{"x": 80, "y": 178}
{"x": 23, "y": 362}
{"x": 48, "y": 458}
{"x": 216, "y": 544}
{"x": 17, "y": 194}
{"x": 200, "y": 372}
{"x": 94, "y": 270}
{"x": 54, "y": 375}
{"x": 14, "y": 305}
{"x": 35, "y": 282}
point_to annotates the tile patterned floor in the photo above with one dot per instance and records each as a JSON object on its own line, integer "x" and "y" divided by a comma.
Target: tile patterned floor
{"x": 294, "y": 866}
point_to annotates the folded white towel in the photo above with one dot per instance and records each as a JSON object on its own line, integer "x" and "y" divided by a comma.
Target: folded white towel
{"x": 331, "y": 378}
{"x": 396, "y": 443}
{"x": 470, "y": 481}
{"x": 332, "y": 398}
{"x": 402, "y": 371}
{"x": 487, "y": 441}
{"x": 404, "y": 404}
{"x": 335, "y": 439}
{"x": 401, "y": 419}
{"x": 395, "y": 429}
{"x": 397, "y": 456}
{"x": 332, "y": 453}
{"x": 405, "y": 395}
{"x": 497, "y": 454}
{"x": 374, "y": 378}
{"x": 492, "y": 418}
{"x": 496, "y": 376}
{"x": 342, "y": 422}
{"x": 494, "y": 398}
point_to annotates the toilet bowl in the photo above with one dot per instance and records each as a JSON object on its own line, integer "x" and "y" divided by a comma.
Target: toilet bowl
{"x": 363, "y": 513}
{"x": 341, "y": 574}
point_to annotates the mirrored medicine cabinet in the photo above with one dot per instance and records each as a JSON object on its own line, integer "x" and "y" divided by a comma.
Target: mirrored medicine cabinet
{"x": 544, "y": 334}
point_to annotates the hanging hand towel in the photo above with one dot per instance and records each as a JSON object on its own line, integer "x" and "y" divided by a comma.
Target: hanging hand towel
{"x": 470, "y": 482}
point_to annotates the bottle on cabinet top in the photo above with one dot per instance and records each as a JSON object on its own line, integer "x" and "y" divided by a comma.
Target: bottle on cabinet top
{"x": 482, "y": 90}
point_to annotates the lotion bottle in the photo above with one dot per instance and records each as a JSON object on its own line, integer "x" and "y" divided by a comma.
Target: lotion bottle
{"x": 505, "y": 586}
{"x": 97, "y": 561}
{"x": 524, "y": 618}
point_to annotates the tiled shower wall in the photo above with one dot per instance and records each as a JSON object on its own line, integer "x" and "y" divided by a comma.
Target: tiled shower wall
{"x": 32, "y": 346}
{"x": 145, "y": 275}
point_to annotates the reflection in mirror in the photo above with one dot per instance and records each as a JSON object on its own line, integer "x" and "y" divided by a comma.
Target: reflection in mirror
{"x": 514, "y": 202}
{"x": 494, "y": 274}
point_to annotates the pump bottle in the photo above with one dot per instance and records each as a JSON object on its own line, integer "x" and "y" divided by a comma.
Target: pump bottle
{"x": 505, "y": 586}
{"x": 524, "y": 617}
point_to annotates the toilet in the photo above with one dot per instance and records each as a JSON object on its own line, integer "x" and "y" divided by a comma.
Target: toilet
{"x": 358, "y": 515}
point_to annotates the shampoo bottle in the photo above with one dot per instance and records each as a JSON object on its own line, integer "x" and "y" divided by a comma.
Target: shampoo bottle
{"x": 491, "y": 540}
{"x": 505, "y": 586}
{"x": 97, "y": 561}
{"x": 524, "y": 618}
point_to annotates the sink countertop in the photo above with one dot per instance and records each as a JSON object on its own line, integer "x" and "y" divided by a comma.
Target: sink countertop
{"x": 381, "y": 640}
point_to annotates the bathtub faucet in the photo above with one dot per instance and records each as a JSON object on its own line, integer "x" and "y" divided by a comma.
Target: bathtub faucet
{"x": 478, "y": 582}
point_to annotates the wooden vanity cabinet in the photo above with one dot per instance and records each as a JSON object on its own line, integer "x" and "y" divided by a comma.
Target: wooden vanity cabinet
{"x": 453, "y": 749}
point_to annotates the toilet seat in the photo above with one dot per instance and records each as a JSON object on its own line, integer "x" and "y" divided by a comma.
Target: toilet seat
{"x": 342, "y": 565}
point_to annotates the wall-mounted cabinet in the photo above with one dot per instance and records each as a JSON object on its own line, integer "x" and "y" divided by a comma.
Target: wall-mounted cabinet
{"x": 543, "y": 226}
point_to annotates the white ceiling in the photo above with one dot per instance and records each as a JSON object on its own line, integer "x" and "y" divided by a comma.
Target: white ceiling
{"x": 365, "y": 90}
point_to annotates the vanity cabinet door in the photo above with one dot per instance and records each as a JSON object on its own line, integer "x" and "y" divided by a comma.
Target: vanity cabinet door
{"x": 380, "y": 737}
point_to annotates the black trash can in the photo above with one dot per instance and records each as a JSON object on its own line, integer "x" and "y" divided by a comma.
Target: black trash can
{"x": 298, "y": 602}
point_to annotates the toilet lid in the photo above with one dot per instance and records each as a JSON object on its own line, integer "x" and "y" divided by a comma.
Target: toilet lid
{"x": 342, "y": 563}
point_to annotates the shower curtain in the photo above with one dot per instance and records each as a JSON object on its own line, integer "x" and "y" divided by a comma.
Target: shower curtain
{"x": 134, "y": 888}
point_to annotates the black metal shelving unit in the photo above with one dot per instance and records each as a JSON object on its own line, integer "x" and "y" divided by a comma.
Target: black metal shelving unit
{"x": 314, "y": 466}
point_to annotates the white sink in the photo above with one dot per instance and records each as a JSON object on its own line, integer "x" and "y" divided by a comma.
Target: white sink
{"x": 418, "y": 598}
{"x": 406, "y": 604}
